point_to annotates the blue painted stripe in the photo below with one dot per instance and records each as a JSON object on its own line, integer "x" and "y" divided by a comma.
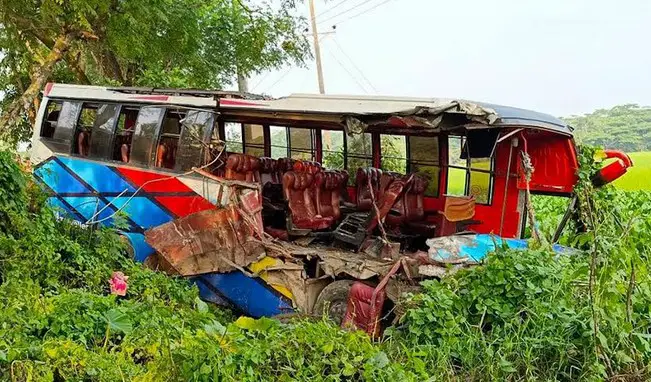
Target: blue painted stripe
{"x": 58, "y": 178}
{"x": 88, "y": 206}
{"x": 248, "y": 294}
{"x": 100, "y": 177}
{"x": 141, "y": 210}
{"x": 209, "y": 295}
{"x": 141, "y": 249}
{"x": 61, "y": 208}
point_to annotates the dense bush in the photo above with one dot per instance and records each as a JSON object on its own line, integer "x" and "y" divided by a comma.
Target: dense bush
{"x": 521, "y": 315}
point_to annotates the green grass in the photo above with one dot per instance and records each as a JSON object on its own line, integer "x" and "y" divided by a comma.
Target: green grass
{"x": 639, "y": 176}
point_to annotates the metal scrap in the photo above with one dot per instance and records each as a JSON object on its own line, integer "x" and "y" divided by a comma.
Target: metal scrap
{"x": 215, "y": 240}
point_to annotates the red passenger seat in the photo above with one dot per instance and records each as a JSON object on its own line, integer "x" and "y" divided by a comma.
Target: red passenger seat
{"x": 166, "y": 153}
{"x": 364, "y": 200}
{"x": 269, "y": 171}
{"x": 83, "y": 143}
{"x": 284, "y": 165}
{"x": 328, "y": 193}
{"x": 243, "y": 167}
{"x": 297, "y": 189}
{"x": 390, "y": 196}
{"x": 414, "y": 210}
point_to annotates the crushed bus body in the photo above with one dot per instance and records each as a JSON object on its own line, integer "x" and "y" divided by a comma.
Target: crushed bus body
{"x": 310, "y": 204}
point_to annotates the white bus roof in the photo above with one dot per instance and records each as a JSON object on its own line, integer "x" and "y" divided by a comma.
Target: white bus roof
{"x": 335, "y": 105}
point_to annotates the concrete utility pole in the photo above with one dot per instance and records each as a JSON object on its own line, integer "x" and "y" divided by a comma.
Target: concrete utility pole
{"x": 317, "y": 50}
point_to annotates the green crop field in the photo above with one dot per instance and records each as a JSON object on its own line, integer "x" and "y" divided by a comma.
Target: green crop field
{"x": 639, "y": 176}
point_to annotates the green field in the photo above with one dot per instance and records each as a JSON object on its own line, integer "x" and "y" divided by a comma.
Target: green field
{"x": 639, "y": 176}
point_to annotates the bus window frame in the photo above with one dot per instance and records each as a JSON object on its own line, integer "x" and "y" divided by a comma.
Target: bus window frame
{"x": 153, "y": 142}
{"x": 94, "y": 129}
{"x": 205, "y": 139}
{"x": 60, "y": 145}
{"x": 468, "y": 169}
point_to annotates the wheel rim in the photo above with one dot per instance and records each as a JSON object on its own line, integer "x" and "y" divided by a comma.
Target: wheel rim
{"x": 337, "y": 310}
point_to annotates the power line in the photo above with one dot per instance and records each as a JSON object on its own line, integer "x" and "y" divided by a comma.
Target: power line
{"x": 355, "y": 66}
{"x": 285, "y": 73}
{"x": 330, "y": 9}
{"x": 348, "y": 71}
{"x": 260, "y": 81}
{"x": 345, "y": 11}
{"x": 363, "y": 12}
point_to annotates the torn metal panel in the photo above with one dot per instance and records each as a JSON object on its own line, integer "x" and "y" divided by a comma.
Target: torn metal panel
{"x": 426, "y": 117}
{"x": 358, "y": 266}
{"x": 218, "y": 240}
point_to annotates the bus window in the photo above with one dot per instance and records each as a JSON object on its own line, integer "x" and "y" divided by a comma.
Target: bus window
{"x": 124, "y": 133}
{"x": 424, "y": 160}
{"x": 168, "y": 141}
{"x": 333, "y": 149}
{"x": 66, "y": 122}
{"x": 102, "y": 132}
{"x": 83, "y": 130}
{"x": 279, "y": 146}
{"x": 481, "y": 182}
{"x": 143, "y": 150}
{"x": 233, "y": 133}
{"x": 394, "y": 153}
{"x": 359, "y": 152}
{"x": 301, "y": 143}
{"x": 468, "y": 175}
{"x": 195, "y": 135}
{"x": 478, "y": 147}
{"x": 50, "y": 119}
{"x": 254, "y": 140}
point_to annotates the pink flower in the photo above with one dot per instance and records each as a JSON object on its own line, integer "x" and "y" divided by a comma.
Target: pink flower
{"x": 118, "y": 282}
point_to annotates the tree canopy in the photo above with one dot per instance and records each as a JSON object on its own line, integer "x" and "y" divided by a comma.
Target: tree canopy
{"x": 624, "y": 127}
{"x": 161, "y": 43}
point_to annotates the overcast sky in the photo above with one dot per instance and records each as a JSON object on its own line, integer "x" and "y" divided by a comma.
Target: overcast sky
{"x": 558, "y": 56}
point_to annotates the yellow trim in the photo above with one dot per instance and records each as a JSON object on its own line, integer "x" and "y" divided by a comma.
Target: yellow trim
{"x": 259, "y": 268}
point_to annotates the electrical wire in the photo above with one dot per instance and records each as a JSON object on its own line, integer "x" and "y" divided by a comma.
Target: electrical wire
{"x": 363, "y": 12}
{"x": 345, "y": 11}
{"x": 329, "y": 9}
{"x": 349, "y": 73}
{"x": 285, "y": 73}
{"x": 355, "y": 66}
{"x": 260, "y": 81}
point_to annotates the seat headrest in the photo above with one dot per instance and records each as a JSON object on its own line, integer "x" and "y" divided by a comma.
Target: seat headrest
{"x": 285, "y": 164}
{"x": 328, "y": 180}
{"x": 268, "y": 165}
{"x": 309, "y": 167}
{"x": 419, "y": 185}
{"x": 242, "y": 163}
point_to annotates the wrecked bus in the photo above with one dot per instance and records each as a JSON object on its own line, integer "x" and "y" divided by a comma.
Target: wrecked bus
{"x": 308, "y": 203}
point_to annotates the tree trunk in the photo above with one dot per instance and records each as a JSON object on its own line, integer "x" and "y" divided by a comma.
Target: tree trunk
{"x": 21, "y": 105}
{"x": 74, "y": 63}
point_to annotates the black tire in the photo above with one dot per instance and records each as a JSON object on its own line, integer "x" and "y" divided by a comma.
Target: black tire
{"x": 332, "y": 300}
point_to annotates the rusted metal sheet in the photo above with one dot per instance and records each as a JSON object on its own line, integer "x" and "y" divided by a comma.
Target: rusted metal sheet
{"x": 219, "y": 240}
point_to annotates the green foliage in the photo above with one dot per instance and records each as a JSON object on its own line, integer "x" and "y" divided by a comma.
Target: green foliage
{"x": 624, "y": 127}
{"x": 158, "y": 43}
{"x": 522, "y": 315}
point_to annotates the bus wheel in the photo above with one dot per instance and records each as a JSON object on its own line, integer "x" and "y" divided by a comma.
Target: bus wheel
{"x": 333, "y": 299}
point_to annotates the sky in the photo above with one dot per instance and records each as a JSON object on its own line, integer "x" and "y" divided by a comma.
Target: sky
{"x": 560, "y": 57}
